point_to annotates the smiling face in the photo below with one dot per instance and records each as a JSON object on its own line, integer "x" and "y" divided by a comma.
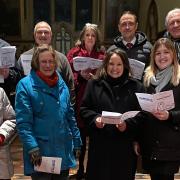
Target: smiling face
{"x": 127, "y": 26}
{"x": 173, "y": 25}
{"x": 115, "y": 67}
{"x": 89, "y": 38}
{"x": 163, "y": 57}
{"x": 43, "y": 34}
{"x": 46, "y": 63}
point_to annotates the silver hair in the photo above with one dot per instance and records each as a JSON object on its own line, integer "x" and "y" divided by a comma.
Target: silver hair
{"x": 171, "y": 13}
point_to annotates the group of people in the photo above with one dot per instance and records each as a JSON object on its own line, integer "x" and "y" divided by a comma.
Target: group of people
{"x": 57, "y": 107}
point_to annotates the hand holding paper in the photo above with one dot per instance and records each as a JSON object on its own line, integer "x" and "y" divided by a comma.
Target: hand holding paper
{"x": 49, "y": 165}
{"x": 116, "y": 118}
{"x": 99, "y": 123}
{"x": 156, "y": 102}
{"x": 82, "y": 63}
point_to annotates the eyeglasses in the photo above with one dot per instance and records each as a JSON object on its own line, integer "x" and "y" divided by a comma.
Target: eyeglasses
{"x": 125, "y": 24}
{"x": 173, "y": 23}
{"x": 44, "y": 62}
{"x": 45, "y": 32}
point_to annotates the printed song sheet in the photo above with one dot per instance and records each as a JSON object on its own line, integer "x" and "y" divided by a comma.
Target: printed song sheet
{"x": 116, "y": 118}
{"x": 26, "y": 63}
{"x": 156, "y": 102}
{"x": 49, "y": 165}
{"x": 82, "y": 63}
{"x": 7, "y": 56}
{"x": 137, "y": 68}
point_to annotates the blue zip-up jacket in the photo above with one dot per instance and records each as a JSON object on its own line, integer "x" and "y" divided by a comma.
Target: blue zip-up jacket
{"x": 45, "y": 120}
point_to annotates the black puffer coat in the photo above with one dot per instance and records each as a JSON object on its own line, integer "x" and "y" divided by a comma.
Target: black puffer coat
{"x": 140, "y": 51}
{"x": 176, "y": 44}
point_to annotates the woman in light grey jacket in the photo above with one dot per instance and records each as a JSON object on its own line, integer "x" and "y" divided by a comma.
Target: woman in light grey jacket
{"x": 7, "y": 130}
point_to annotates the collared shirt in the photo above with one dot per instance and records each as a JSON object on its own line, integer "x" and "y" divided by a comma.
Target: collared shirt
{"x": 133, "y": 41}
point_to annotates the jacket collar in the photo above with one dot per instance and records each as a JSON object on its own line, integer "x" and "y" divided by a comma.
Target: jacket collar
{"x": 39, "y": 83}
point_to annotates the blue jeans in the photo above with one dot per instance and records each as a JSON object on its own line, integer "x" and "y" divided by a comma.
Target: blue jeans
{"x": 46, "y": 176}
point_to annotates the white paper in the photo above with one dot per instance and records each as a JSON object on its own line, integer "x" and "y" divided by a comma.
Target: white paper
{"x": 1, "y": 78}
{"x": 26, "y": 63}
{"x": 156, "y": 102}
{"x": 129, "y": 114}
{"x": 7, "y": 56}
{"x": 50, "y": 165}
{"x": 137, "y": 68}
{"x": 82, "y": 63}
{"x": 116, "y": 118}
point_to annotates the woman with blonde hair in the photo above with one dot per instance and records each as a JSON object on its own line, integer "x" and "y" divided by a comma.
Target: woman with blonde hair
{"x": 160, "y": 130}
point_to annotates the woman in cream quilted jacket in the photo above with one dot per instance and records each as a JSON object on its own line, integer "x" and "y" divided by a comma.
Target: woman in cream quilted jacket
{"x": 7, "y": 130}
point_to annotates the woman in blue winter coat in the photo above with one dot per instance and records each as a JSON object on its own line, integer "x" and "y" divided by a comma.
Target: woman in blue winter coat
{"x": 45, "y": 117}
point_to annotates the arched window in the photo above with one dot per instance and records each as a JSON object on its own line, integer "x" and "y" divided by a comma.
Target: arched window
{"x": 152, "y": 25}
{"x": 113, "y": 9}
{"x": 9, "y": 18}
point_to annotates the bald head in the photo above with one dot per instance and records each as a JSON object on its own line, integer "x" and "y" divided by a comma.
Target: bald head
{"x": 42, "y": 33}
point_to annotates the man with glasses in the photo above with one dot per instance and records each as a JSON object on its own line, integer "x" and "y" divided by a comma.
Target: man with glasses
{"x": 172, "y": 23}
{"x": 134, "y": 42}
{"x": 43, "y": 35}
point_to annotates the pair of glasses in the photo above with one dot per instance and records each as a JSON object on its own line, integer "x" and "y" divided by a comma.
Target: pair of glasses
{"x": 47, "y": 62}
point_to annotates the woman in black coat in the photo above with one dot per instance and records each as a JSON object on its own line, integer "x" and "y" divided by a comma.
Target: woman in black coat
{"x": 111, "y": 154}
{"x": 160, "y": 130}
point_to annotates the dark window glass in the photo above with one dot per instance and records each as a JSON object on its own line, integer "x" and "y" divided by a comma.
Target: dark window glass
{"x": 63, "y": 10}
{"x": 83, "y": 13}
{"x": 41, "y": 10}
{"x": 9, "y": 18}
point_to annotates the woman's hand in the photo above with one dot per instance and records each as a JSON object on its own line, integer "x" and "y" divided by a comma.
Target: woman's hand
{"x": 161, "y": 115}
{"x": 99, "y": 123}
{"x": 86, "y": 74}
{"x": 4, "y": 72}
{"x": 121, "y": 126}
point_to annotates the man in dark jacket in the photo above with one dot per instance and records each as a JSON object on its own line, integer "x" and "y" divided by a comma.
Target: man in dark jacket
{"x": 172, "y": 23}
{"x": 134, "y": 42}
{"x": 11, "y": 77}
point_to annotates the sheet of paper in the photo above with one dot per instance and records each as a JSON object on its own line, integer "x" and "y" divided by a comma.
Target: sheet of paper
{"x": 164, "y": 100}
{"x": 129, "y": 114}
{"x": 26, "y": 63}
{"x": 111, "y": 117}
{"x": 82, "y": 63}
{"x": 50, "y": 165}
{"x": 7, "y": 56}
{"x": 137, "y": 68}
{"x": 154, "y": 102}
{"x": 1, "y": 79}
